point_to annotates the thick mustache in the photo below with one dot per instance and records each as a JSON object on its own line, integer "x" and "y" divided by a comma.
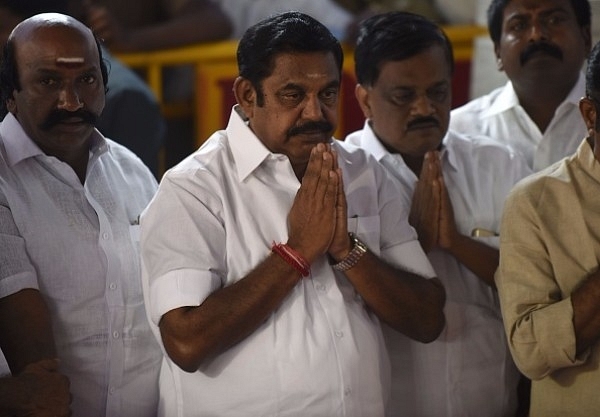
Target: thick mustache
{"x": 422, "y": 121}
{"x": 58, "y": 116}
{"x": 311, "y": 127}
{"x": 540, "y": 47}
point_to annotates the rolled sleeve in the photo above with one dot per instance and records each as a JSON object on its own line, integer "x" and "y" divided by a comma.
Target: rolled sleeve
{"x": 16, "y": 270}
{"x": 181, "y": 246}
{"x": 533, "y": 290}
{"x": 180, "y": 288}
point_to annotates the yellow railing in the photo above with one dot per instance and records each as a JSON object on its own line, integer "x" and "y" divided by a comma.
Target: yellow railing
{"x": 215, "y": 67}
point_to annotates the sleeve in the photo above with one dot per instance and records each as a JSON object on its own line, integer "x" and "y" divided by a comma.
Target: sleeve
{"x": 538, "y": 319}
{"x": 16, "y": 270}
{"x": 399, "y": 242}
{"x": 182, "y": 241}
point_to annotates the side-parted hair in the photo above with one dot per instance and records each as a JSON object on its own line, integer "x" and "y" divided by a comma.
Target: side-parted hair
{"x": 282, "y": 33}
{"x": 495, "y": 16}
{"x": 395, "y": 36}
{"x": 9, "y": 75}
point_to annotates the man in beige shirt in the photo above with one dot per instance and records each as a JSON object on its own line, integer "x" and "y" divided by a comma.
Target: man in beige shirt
{"x": 548, "y": 279}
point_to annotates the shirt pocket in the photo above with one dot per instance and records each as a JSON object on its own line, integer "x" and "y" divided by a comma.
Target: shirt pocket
{"x": 368, "y": 229}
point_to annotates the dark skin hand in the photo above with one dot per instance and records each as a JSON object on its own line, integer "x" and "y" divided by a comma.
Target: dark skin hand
{"x": 432, "y": 216}
{"x": 26, "y": 339}
{"x": 317, "y": 226}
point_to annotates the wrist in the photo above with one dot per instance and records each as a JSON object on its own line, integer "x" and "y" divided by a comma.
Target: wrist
{"x": 352, "y": 257}
{"x": 292, "y": 258}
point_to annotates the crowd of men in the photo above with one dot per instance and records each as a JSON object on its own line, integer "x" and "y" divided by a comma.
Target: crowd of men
{"x": 436, "y": 262}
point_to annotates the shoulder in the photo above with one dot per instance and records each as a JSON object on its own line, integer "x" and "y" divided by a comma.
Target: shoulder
{"x": 543, "y": 186}
{"x": 477, "y": 105}
{"x": 479, "y": 145}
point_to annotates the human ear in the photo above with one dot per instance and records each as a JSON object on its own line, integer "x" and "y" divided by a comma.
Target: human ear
{"x": 362, "y": 96}
{"x": 499, "y": 64}
{"x": 245, "y": 95}
{"x": 587, "y": 108}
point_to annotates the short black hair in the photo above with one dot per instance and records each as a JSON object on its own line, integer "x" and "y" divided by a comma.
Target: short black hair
{"x": 592, "y": 75}
{"x": 395, "y": 36}
{"x": 495, "y": 16}
{"x": 9, "y": 76}
{"x": 281, "y": 33}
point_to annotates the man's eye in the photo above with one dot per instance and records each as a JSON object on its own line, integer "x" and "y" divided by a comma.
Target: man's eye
{"x": 405, "y": 98}
{"x": 329, "y": 95}
{"x": 439, "y": 94}
{"x": 48, "y": 81}
{"x": 89, "y": 79}
{"x": 517, "y": 26}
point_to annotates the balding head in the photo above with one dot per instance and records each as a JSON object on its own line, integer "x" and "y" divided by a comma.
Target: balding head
{"x": 53, "y": 82}
{"x": 45, "y": 31}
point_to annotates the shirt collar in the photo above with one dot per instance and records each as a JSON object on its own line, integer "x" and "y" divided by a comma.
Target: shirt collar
{"x": 19, "y": 146}
{"x": 371, "y": 143}
{"x": 588, "y": 161}
{"x": 248, "y": 151}
{"x": 508, "y": 99}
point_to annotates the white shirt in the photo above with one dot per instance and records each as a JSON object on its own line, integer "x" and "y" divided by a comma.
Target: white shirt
{"x": 245, "y": 13}
{"x": 468, "y": 370}
{"x": 499, "y": 116}
{"x": 79, "y": 245}
{"x": 214, "y": 219}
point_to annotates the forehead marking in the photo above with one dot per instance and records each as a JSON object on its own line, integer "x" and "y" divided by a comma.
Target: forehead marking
{"x": 70, "y": 60}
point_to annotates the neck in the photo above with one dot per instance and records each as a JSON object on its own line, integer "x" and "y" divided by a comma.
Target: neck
{"x": 541, "y": 103}
{"x": 415, "y": 163}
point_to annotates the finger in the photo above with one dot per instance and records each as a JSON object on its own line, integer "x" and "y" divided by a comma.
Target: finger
{"x": 326, "y": 179}
{"x": 313, "y": 170}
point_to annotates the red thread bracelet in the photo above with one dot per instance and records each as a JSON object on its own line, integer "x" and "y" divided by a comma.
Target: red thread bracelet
{"x": 292, "y": 257}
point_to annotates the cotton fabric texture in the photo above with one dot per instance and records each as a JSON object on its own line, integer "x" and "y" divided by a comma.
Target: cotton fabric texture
{"x": 214, "y": 218}
{"x": 467, "y": 370}
{"x": 79, "y": 245}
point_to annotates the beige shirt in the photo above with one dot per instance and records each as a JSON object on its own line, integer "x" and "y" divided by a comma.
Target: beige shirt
{"x": 549, "y": 243}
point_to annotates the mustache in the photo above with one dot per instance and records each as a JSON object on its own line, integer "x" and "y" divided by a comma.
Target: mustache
{"x": 58, "y": 116}
{"x": 322, "y": 126}
{"x": 543, "y": 47}
{"x": 428, "y": 120}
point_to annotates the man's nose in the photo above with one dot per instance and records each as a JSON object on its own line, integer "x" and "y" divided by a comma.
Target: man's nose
{"x": 538, "y": 31}
{"x": 69, "y": 99}
{"x": 422, "y": 106}
{"x": 313, "y": 108}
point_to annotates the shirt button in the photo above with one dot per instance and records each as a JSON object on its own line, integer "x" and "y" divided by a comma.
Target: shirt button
{"x": 104, "y": 235}
{"x": 116, "y": 335}
{"x": 111, "y": 390}
{"x": 339, "y": 334}
{"x": 112, "y": 286}
{"x": 321, "y": 287}
{"x": 347, "y": 391}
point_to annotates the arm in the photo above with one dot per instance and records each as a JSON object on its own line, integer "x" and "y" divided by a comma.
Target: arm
{"x": 433, "y": 217}
{"x": 40, "y": 390}
{"x": 480, "y": 258}
{"x": 28, "y": 345}
{"x": 196, "y": 21}
{"x": 544, "y": 270}
{"x": 586, "y": 312}
{"x": 25, "y": 329}
{"x": 191, "y": 335}
{"x": 407, "y": 302}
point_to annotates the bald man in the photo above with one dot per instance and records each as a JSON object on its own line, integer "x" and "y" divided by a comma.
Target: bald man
{"x": 69, "y": 204}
